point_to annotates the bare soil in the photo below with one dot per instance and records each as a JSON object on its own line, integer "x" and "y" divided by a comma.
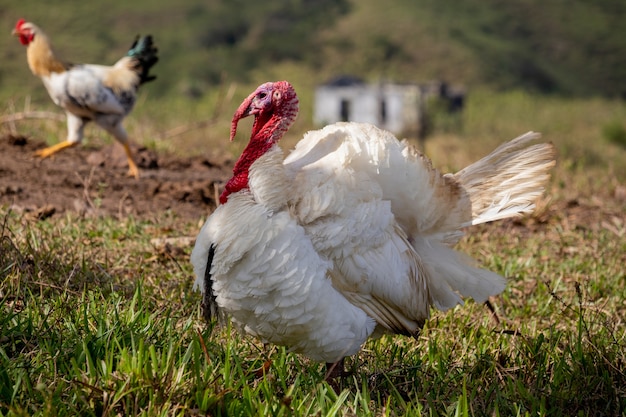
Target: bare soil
{"x": 94, "y": 182}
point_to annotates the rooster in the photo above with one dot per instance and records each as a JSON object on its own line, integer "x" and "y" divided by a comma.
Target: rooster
{"x": 350, "y": 236}
{"x": 98, "y": 93}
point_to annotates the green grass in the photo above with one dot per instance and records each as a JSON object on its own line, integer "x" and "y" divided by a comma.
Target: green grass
{"x": 94, "y": 320}
{"x": 86, "y": 333}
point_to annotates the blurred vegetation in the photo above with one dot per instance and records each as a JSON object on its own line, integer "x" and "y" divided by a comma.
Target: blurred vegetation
{"x": 615, "y": 132}
{"x": 569, "y": 48}
{"x": 554, "y": 68}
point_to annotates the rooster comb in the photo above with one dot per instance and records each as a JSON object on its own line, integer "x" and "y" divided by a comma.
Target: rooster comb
{"x": 19, "y": 24}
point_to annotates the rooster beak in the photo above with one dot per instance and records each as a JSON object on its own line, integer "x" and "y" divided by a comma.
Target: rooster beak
{"x": 14, "y": 32}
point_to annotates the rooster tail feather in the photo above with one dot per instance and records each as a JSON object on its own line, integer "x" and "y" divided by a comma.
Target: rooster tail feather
{"x": 144, "y": 55}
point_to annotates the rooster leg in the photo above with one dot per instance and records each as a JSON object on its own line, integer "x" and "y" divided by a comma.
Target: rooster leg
{"x": 51, "y": 150}
{"x": 133, "y": 171}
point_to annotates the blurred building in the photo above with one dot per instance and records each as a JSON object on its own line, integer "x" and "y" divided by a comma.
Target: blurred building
{"x": 399, "y": 108}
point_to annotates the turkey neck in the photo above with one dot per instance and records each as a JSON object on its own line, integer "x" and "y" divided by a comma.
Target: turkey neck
{"x": 264, "y": 136}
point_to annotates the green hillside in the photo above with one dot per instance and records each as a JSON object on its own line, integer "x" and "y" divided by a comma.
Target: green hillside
{"x": 564, "y": 47}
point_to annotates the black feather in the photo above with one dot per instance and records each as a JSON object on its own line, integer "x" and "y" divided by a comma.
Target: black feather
{"x": 210, "y": 309}
{"x": 145, "y": 54}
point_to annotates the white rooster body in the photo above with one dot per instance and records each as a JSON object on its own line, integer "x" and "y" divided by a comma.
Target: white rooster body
{"x": 82, "y": 92}
{"x": 349, "y": 235}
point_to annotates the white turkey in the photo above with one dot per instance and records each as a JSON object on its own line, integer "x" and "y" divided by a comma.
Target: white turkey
{"x": 350, "y": 235}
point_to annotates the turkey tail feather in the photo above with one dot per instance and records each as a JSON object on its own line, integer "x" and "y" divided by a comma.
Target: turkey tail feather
{"x": 453, "y": 276}
{"x": 508, "y": 181}
{"x": 505, "y": 183}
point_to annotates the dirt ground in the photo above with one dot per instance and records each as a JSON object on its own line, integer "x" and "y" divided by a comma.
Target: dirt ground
{"x": 94, "y": 181}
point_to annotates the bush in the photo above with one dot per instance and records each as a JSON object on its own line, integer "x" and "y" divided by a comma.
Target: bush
{"x": 615, "y": 133}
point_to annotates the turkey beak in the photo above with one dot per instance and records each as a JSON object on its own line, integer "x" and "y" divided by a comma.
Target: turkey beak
{"x": 244, "y": 110}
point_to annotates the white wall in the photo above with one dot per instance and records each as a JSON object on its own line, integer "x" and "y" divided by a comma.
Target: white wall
{"x": 401, "y": 105}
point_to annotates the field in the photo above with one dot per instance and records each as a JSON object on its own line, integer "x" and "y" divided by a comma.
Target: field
{"x": 97, "y": 314}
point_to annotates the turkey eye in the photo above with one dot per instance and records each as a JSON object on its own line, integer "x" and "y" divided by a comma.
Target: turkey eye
{"x": 262, "y": 95}
{"x": 276, "y": 95}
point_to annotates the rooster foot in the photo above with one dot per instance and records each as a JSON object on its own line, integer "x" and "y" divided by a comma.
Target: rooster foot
{"x": 133, "y": 171}
{"x": 51, "y": 150}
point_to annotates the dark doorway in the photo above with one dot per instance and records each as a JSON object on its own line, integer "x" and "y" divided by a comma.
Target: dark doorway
{"x": 344, "y": 110}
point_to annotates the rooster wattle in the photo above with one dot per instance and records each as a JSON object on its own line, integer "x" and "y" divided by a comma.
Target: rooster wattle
{"x": 350, "y": 235}
{"x": 98, "y": 93}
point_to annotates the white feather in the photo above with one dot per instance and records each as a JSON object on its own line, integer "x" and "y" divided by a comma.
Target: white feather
{"x": 352, "y": 231}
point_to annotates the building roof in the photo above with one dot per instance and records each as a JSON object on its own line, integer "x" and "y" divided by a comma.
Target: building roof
{"x": 344, "y": 81}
